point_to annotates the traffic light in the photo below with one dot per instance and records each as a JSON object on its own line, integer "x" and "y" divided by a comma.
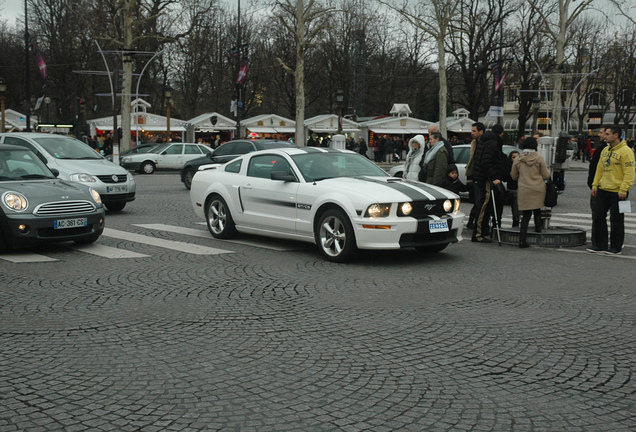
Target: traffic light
{"x": 81, "y": 106}
{"x": 118, "y": 80}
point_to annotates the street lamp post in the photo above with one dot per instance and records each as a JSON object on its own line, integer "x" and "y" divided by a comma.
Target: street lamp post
{"x": 3, "y": 88}
{"x": 536, "y": 104}
{"x": 340, "y": 100}
{"x": 168, "y": 95}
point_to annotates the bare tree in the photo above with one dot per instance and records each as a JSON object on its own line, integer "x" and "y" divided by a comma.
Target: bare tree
{"x": 475, "y": 42}
{"x": 434, "y": 17}
{"x": 305, "y": 22}
{"x": 556, "y": 26}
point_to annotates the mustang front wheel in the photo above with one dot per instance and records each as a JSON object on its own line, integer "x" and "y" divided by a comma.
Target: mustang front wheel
{"x": 335, "y": 237}
{"x": 220, "y": 222}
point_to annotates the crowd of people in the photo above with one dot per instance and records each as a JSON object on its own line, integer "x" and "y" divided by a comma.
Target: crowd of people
{"x": 610, "y": 177}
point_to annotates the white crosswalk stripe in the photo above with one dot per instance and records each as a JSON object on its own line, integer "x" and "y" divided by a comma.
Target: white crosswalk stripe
{"x": 162, "y": 243}
{"x": 107, "y": 251}
{"x": 25, "y": 257}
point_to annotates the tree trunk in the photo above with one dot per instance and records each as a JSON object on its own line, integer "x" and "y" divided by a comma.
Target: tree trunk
{"x": 557, "y": 101}
{"x": 127, "y": 68}
{"x": 299, "y": 75}
{"x": 443, "y": 84}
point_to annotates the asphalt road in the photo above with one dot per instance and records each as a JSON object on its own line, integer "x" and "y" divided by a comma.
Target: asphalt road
{"x": 160, "y": 327}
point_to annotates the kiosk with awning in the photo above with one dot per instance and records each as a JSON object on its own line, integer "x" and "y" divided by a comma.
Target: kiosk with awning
{"x": 144, "y": 127}
{"x": 270, "y": 126}
{"x": 327, "y": 124}
{"x": 208, "y": 125}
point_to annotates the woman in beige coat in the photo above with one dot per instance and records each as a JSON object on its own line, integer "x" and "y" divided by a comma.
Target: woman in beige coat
{"x": 530, "y": 171}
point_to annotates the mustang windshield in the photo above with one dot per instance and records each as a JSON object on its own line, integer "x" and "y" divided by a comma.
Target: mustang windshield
{"x": 320, "y": 166}
{"x": 67, "y": 148}
{"x": 18, "y": 165}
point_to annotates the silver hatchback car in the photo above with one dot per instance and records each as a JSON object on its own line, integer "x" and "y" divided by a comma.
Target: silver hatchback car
{"x": 73, "y": 160}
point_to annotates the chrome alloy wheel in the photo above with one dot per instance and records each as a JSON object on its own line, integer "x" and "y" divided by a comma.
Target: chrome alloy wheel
{"x": 217, "y": 217}
{"x": 333, "y": 236}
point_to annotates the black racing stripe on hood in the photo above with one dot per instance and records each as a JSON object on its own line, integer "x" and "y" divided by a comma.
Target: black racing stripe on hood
{"x": 437, "y": 194}
{"x": 398, "y": 186}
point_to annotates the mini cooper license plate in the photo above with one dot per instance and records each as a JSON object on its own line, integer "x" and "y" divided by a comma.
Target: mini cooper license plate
{"x": 438, "y": 226}
{"x": 116, "y": 189}
{"x": 70, "y": 223}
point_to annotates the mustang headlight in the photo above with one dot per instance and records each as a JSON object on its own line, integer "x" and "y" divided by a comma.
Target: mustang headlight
{"x": 96, "y": 197}
{"x": 457, "y": 203}
{"x": 448, "y": 205}
{"x": 84, "y": 178}
{"x": 15, "y": 201}
{"x": 378, "y": 210}
{"x": 406, "y": 208}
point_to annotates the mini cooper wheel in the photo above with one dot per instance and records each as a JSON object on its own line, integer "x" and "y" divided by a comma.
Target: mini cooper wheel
{"x": 431, "y": 249}
{"x": 187, "y": 178}
{"x": 220, "y": 222}
{"x": 335, "y": 237}
{"x": 147, "y": 168}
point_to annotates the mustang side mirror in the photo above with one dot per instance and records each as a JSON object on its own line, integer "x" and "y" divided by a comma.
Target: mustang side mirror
{"x": 282, "y": 175}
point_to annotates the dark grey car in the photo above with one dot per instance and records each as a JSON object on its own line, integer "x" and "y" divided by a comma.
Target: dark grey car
{"x": 37, "y": 207}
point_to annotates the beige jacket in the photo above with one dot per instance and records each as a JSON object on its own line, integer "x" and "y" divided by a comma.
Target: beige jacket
{"x": 530, "y": 171}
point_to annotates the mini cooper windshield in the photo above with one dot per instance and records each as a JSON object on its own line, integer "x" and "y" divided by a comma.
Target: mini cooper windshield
{"x": 67, "y": 148}
{"x": 20, "y": 165}
{"x": 320, "y": 166}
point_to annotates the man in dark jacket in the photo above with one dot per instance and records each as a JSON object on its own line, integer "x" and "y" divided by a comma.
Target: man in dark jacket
{"x": 490, "y": 166}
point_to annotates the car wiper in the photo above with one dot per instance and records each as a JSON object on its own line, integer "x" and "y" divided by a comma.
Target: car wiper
{"x": 6, "y": 178}
{"x": 35, "y": 176}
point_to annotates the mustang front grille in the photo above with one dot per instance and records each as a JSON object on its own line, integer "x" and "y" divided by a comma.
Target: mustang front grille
{"x": 64, "y": 208}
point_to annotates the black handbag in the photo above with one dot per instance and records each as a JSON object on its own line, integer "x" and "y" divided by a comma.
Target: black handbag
{"x": 551, "y": 194}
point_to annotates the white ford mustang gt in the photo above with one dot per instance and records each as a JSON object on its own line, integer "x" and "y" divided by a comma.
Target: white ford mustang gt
{"x": 336, "y": 199}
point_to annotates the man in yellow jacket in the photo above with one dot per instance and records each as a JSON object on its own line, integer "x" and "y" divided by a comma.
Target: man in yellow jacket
{"x": 612, "y": 182}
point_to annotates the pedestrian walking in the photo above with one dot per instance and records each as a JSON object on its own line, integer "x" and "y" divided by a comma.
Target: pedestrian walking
{"x": 530, "y": 172}
{"x": 613, "y": 179}
{"x": 490, "y": 170}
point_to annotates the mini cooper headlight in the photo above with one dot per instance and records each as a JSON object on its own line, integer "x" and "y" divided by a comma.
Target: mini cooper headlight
{"x": 84, "y": 178}
{"x": 406, "y": 208}
{"x": 96, "y": 197}
{"x": 448, "y": 205}
{"x": 15, "y": 201}
{"x": 378, "y": 210}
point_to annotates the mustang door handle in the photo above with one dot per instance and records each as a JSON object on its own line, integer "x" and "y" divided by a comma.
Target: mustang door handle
{"x": 248, "y": 186}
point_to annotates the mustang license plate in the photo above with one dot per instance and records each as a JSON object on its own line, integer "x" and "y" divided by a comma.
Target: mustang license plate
{"x": 70, "y": 223}
{"x": 438, "y": 226}
{"x": 116, "y": 189}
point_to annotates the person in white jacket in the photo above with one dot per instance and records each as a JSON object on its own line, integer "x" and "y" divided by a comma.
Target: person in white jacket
{"x": 412, "y": 164}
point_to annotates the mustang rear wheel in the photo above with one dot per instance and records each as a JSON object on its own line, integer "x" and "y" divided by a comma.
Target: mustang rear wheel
{"x": 335, "y": 237}
{"x": 220, "y": 222}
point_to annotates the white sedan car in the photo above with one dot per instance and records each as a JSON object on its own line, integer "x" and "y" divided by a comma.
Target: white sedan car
{"x": 336, "y": 199}
{"x": 164, "y": 156}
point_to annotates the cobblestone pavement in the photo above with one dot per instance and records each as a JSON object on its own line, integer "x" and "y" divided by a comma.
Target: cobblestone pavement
{"x": 477, "y": 338}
